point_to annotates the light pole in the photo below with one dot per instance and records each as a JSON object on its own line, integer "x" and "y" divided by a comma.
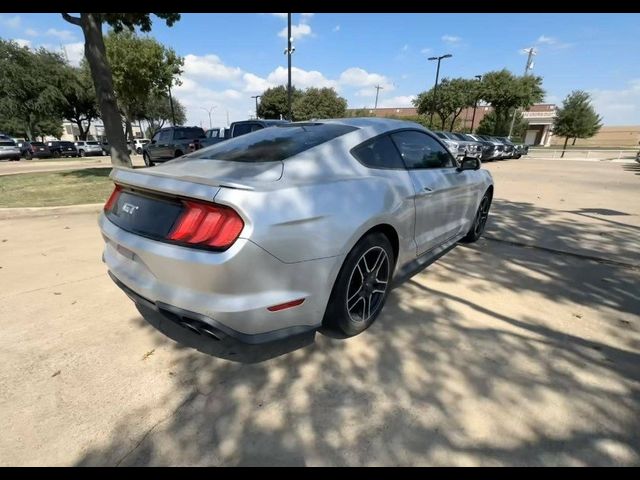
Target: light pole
{"x": 256, "y": 97}
{"x": 209, "y": 112}
{"x": 435, "y": 86}
{"x": 378, "y": 88}
{"x": 289, "y": 50}
{"x": 475, "y": 105}
{"x": 529, "y": 66}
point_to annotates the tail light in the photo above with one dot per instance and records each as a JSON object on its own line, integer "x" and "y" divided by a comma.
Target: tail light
{"x": 209, "y": 225}
{"x": 112, "y": 198}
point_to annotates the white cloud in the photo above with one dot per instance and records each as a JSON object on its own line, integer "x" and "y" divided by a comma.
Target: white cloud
{"x": 425, "y": 51}
{"x": 297, "y": 31}
{"x": 63, "y": 35}
{"x": 300, "y": 78}
{"x": 405, "y": 47}
{"x": 546, "y": 40}
{"x": 307, "y": 15}
{"x": 10, "y": 22}
{"x": 619, "y": 107}
{"x": 336, "y": 28}
{"x": 254, "y": 83}
{"x": 451, "y": 39}
{"x": 75, "y": 52}
{"x": 209, "y": 66}
{"x": 31, "y": 32}
{"x": 358, "y": 77}
{"x": 22, "y": 42}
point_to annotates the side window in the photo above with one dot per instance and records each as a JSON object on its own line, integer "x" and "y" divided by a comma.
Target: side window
{"x": 156, "y": 137}
{"x": 420, "y": 150}
{"x": 379, "y": 152}
{"x": 241, "y": 129}
{"x": 256, "y": 126}
{"x": 165, "y": 136}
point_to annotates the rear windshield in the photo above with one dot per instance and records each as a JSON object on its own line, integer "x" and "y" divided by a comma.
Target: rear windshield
{"x": 37, "y": 144}
{"x": 8, "y": 143}
{"x": 441, "y": 135}
{"x": 67, "y": 144}
{"x": 93, "y": 143}
{"x": 274, "y": 143}
{"x": 188, "y": 133}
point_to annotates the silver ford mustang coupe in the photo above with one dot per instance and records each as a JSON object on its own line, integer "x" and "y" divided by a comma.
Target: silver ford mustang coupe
{"x": 292, "y": 227}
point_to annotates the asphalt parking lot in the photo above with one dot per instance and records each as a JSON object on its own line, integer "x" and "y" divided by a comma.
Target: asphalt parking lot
{"x": 523, "y": 349}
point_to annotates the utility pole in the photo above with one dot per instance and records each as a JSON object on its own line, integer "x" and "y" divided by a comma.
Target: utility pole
{"x": 529, "y": 66}
{"x": 173, "y": 113}
{"x": 290, "y": 49}
{"x": 256, "y": 97}
{"x": 227, "y": 118}
{"x": 475, "y": 106}
{"x": 435, "y": 86}
{"x": 378, "y": 88}
{"x": 209, "y": 112}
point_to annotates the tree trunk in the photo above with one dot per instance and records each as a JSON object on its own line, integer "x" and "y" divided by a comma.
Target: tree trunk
{"x": 85, "y": 133}
{"x": 566, "y": 140}
{"x": 574, "y": 140}
{"x": 129, "y": 129}
{"x": 81, "y": 131}
{"x": 96, "y": 54}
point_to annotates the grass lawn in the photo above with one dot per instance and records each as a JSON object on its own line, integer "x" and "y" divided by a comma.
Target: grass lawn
{"x": 49, "y": 189}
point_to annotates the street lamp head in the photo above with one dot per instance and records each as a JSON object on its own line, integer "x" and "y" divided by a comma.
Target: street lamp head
{"x": 448, "y": 55}
{"x": 432, "y": 58}
{"x": 479, "y": 77}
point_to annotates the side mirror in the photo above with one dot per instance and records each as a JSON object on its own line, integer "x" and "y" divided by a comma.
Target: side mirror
{"x": 152, "y": 142}
{"x": 469, "y": 163}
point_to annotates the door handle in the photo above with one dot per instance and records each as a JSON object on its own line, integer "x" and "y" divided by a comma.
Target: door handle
{"x": 425, "y": 191}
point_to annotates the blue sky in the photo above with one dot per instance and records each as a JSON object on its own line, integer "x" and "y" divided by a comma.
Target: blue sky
{"x": 229, "y": 57}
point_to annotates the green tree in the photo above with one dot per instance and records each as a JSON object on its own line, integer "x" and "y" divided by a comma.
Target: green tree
{"x": 273, "y": 102}
{"x": 157, "y": 111}
{"x": 491, "y": 124}
{"x": 30, "y": 90}
{"x": 80, "y": 106}
{"x": 319, "y": 103}
{"x": 576, "y": 118}
{"x": 96, "y": 55}
{"x": 448, "y": 102}
{"x": 507, "y": 92}
{"x": 142, "y": 69}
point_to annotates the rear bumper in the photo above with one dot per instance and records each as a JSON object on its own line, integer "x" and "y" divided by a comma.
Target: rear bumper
{"x": 230, "y": 291}
{"x": 203, "y": 325}
{"x": 10, "y": 154}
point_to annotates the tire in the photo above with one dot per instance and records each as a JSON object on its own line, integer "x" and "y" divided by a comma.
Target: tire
{"x": 55, "y": 154}
{"x": 16, "y": 159}
{"x": 147, "y": 160}
{"x": 480, "y": 219}
{"x": 349, "y": 309}
{"x": 178, "y": 154}
{"x": 28, "y": 156}
{"x": 82, "y": 154}
{"x": 139, "y": 151}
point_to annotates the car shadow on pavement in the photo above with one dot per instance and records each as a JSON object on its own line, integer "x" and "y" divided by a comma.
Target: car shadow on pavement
{"x": 632, "y": 167}
{"x": 441, "y": 378}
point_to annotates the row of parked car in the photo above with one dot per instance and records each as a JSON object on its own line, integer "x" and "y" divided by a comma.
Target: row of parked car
{"x": 483, "y": 147}
{"x": 12, "y": 150}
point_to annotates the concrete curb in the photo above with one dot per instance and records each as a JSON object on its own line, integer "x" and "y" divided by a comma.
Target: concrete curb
{"x": 26, "y": 212}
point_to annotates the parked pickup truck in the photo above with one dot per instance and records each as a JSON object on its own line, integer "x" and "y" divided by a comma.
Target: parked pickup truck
{"x": 217, "y": 135}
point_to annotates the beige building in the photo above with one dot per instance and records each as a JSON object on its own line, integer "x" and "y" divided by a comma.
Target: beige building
{"x": 614, "y": 137}
{"x": 71, "y": 133}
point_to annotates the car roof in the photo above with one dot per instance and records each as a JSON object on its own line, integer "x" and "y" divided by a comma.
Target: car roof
{"x": 373, "y": 125}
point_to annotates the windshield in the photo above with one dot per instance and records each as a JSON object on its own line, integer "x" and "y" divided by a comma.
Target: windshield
{"x": 93, "y": 143}
{"x": 273, "y": 143}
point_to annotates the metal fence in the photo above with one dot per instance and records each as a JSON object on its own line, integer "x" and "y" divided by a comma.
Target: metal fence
{"x": 575, "y": 153}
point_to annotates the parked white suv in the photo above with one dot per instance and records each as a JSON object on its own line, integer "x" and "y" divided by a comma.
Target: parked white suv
{"x": 139, "y": 144}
